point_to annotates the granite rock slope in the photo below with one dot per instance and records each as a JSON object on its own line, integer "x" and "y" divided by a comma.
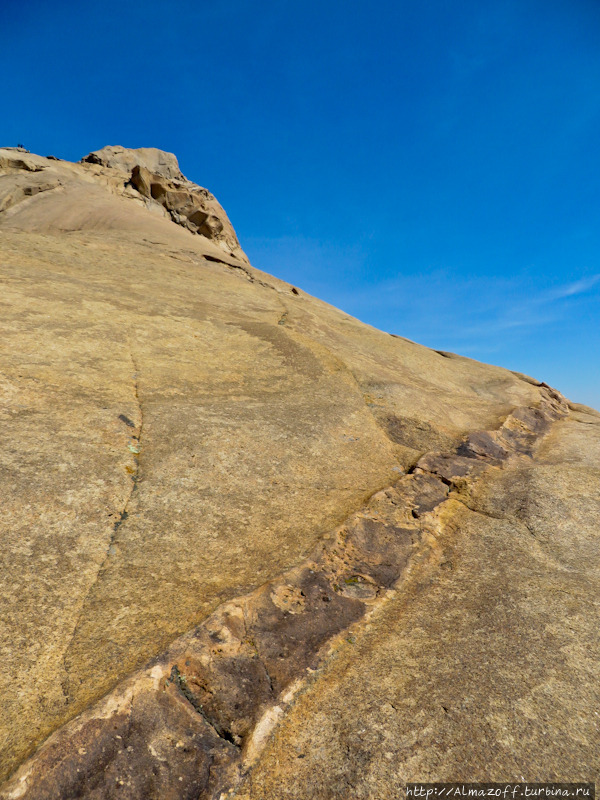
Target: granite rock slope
{"x": 252, "y": 545}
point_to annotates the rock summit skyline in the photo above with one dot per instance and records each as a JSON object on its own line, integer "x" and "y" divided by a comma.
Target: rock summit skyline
{"x": 253, "y": 547}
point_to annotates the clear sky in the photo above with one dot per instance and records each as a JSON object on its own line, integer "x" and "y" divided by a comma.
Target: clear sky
{"x": 431, "y": 167}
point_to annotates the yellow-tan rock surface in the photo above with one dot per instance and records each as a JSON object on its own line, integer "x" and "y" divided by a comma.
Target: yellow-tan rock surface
{"x": 279, "y": 552}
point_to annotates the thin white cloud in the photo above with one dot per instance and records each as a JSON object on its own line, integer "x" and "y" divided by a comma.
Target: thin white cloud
{"x": 578, "y": 287}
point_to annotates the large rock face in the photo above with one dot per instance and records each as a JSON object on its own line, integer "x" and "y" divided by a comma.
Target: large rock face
{"x": 253, "y": 545}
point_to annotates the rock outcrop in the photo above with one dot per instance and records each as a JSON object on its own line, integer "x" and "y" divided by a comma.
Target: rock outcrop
{"x": 253, "y": 547}
{"x": 147, "y": 176}
{"x": 157, "y": 177}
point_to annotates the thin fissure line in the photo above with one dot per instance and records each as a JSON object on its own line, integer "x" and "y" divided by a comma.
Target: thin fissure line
{"x": 180, "y": 682}
{"x": 116, "y": 526}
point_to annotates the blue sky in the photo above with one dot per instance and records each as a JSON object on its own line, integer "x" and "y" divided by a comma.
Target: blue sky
{"x": 431, "y": 167}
